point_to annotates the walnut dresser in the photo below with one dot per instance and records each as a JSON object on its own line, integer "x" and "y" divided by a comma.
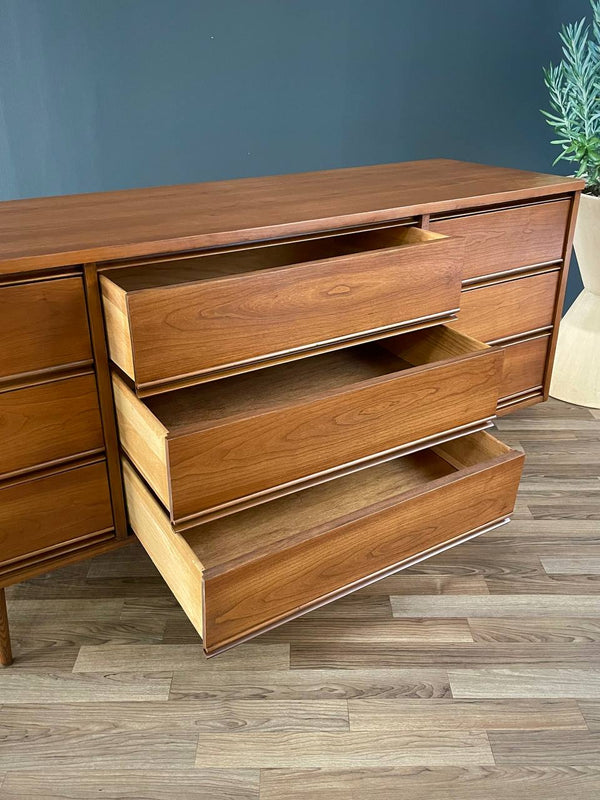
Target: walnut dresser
{"x": 280, "y": 385}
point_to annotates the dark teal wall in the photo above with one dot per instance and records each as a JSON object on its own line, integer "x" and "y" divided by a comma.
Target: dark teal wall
{"x": 109, "y": 94}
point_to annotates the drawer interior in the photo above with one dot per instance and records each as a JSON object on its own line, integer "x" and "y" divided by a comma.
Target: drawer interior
{"x": 232, "y": 552}
{"x": 277, "y": 523}
{"x": 209, "y": 266}
{"x": 301, "y": 514}
{"x": 305, "y": 379}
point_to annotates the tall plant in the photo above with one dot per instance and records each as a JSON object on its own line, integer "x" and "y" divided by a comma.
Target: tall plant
{"x": 574, "y": 87}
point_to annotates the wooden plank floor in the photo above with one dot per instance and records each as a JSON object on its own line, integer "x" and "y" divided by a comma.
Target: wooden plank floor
{"x": 472, "y": 676}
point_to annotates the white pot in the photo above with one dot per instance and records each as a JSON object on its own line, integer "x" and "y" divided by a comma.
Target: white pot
{"x": 576, "y": 374}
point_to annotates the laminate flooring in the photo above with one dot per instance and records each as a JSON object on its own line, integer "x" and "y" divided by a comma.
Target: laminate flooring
{"x": 472, "y": 676}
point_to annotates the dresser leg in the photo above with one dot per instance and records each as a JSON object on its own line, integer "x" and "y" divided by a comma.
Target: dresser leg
{"x": 6, "y": 658}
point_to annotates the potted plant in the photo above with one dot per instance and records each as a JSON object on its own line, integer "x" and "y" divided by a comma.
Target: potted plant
{"x": 574, "y": 87}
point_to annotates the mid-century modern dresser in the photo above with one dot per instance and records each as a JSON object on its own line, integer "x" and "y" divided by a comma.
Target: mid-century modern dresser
{"x": 280, "y": 385}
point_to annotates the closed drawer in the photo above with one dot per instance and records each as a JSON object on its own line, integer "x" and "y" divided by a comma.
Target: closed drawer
{"x": 184, "y": 321}
{"x": 204, "y": 449}
{"x": 43, "y": 325}
{"x": 524, "y": 365}
{"x": 45, "y": 424}
{"x": 500, "y": 241}
{"x": 242, "y": 574}
{"x": 51, "y": 510}
{"x": 509, "y": 308}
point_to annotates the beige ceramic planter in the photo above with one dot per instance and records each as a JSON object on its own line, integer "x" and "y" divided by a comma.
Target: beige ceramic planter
{"x": 576, "y": 374}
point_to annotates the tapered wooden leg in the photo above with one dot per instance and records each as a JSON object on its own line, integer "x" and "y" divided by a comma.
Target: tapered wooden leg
{"x": 6, "y": 658}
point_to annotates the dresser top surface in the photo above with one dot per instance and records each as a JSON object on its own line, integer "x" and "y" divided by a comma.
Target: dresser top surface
{"x": 53, "y": 232}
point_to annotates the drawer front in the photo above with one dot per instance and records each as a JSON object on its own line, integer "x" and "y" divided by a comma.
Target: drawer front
{"x": 509, "y": 308}
{"x": 242, "y": 457}
{"x": 177, "y": 332}
{"x": 277, "y": 581}
{"x": 40, "y": 514}
{"x": 249, "y": 457}
{"x": 242, "y": 601}
{"x": 43, "y": 325}
{"x": 524, "y": 365}
{"x": 45, "y": 424}
{"x": 498, "y": 241}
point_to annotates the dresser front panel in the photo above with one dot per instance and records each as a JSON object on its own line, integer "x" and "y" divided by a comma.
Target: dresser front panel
{"x": 510, "y": 238}
{"x": 43, "y": 326}
{"x": 41, "y": 513}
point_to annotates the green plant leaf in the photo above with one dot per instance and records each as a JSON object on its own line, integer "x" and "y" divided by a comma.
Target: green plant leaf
{"x": 574, "y": 91}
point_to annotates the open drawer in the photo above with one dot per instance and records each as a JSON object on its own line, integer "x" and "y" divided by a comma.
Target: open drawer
{"x": 176, "y": 323}
{"x": 242, "y": 574}
{"x": 209, "y": 449}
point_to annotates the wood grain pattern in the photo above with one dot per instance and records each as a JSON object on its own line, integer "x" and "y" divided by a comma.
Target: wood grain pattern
{"x": 510, "y": 238}
{"x": 48, "y": 232}
{"x": 536, "y": 629}
{"x": 153, "y": 658}
{"x": 524, "y": 365}
{"x": 193, "y": 716}
{"x": 526, "y": 681}
{"x": 39, "y": 514}
{"x": 450, "y": 656}
{"x": 433, "y": 783}
{"x": 43, "y": 326}
{"x": 308, "y": 684}
{"x": 227, "y": 442}
{"x": 344, "y": 749}
{"x": 571, "y": 566}
{"x": 58, "y": 686}
{"x": 150, "y": 783}
{"x": 320, "y": 628}
{"x": 194, "y": 327}
{"x": 50, "y": 423}
{"x": 546, "y": 747}
{"x": 495, "y": 606}
{"x": 511, "y": 308}
{"x": 435, "y": 715}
